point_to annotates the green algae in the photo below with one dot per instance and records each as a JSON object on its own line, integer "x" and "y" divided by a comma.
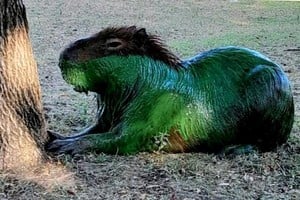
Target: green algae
{"x": 221, "y": 97}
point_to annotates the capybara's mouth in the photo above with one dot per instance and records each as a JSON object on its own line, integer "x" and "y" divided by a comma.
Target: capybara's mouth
{"x": 81, "y": 89}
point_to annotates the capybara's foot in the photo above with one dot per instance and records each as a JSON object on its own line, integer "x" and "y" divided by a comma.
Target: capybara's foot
{"x": 68, "y": 145}
{"x": 236, "y": 150}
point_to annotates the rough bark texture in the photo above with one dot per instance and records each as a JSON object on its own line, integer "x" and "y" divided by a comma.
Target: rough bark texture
{"x": 22, "y": 123}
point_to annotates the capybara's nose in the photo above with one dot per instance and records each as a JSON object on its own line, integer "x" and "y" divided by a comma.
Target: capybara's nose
{"x": 69, "y": 52}
{"x": 64, "y": 56}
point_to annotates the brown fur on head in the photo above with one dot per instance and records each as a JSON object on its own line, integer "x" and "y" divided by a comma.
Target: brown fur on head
{"x": 120, "y": 41}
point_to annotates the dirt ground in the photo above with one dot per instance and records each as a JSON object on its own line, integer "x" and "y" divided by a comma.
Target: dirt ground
{"x": 188, "y": 27}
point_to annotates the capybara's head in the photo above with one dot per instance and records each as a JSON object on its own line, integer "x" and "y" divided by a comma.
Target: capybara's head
{"x": 85, "y": 63}
{"x": 121, "y": 41}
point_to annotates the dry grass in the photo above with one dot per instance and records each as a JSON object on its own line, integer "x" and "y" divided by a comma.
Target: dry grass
{"x": 45, "y": 178}
{"x": 188, "y": 26}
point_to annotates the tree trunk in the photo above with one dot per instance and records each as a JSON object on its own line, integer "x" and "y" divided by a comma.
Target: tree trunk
{"x": 22, "y": 123}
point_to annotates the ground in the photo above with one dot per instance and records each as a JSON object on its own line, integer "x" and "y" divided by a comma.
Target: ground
{"x": 188, "y": 27}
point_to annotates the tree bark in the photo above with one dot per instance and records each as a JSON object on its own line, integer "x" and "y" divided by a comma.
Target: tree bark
{"x": 22, "y": 123}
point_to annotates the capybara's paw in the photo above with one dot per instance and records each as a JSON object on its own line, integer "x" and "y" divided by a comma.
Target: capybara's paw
{"x": 232, "y": 151}
{"x": 68, "y": 146}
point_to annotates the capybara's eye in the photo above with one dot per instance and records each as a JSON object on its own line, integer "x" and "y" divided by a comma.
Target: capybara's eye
{"x": 114, "y": 44}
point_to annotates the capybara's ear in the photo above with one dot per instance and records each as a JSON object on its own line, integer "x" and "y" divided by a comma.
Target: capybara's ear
{"x": 140, "y": 37}
{"x": 131, "y": 28}
{"x": 141, "y": 32}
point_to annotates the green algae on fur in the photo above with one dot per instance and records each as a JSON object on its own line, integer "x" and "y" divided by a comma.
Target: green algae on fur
{"x": 225, "y": 96}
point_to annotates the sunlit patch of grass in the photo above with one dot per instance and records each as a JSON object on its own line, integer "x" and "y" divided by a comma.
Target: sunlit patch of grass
{"x": 48, "y": 176}
{"x": 231, "y": 39}
{"x": 258, "y": 38}
{"x": 185, "y": 48}
{"x": 283, "y": 4}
